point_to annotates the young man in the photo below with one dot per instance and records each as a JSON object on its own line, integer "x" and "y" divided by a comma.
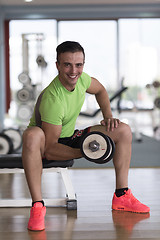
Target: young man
{"x": 51, "y": 132}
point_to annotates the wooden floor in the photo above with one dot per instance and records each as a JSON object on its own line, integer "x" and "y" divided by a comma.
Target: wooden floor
{"x": 94, "y": 218}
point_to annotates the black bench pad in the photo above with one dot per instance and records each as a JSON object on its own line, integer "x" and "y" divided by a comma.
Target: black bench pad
{"x": 15, "y": 161}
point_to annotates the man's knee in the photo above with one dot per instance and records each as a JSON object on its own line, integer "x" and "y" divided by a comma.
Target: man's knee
{"x": 121, "y": 133}
{"x": 33, "y": 136}
{"x": 125, "y": 132}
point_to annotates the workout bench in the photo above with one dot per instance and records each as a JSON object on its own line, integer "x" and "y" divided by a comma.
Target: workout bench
{"x": 12, "y": 163}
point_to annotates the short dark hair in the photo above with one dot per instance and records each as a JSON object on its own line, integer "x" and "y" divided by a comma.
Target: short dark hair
{"x": 69, "y": 46}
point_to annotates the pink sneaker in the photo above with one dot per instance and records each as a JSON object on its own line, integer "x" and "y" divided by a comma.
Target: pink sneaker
{"x": 128, "y": 202}
{"x": 37, "y": 214}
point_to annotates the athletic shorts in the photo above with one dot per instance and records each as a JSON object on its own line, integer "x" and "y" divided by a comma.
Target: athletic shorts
{"x": 75, "y": 140}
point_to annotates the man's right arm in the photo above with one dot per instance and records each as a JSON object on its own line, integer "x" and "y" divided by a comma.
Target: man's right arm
{"x": 55, "y": 150}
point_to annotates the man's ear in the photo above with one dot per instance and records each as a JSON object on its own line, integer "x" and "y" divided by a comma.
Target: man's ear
{"x": 57, "y": 65}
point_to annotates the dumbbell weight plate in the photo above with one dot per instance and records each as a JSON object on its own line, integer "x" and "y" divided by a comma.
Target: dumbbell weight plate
{"x": 6, "y": 145}
{"x": 156, "y": 84}
{"x": 113, "y": 149}
{"x": 105, "y": 151}
{"x": 41, "y": 61}
{"x": 24, "y": 112}
{"x": 24, "y": 78}
{"x": 157, "y": 102}
{"x": 109, "y": 156}
{"x": 15, "y": 136}
{"x": 24, "y": 95}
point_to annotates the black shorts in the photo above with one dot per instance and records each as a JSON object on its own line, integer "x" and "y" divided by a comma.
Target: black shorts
{"x": 75, "y": 140}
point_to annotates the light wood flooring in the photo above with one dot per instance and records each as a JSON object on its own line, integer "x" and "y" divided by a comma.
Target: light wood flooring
{"x": 94, "y": 218}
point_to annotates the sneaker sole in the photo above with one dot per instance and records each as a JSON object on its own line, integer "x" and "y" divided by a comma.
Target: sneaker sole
{"x": 128, "y": 210}
{"x": 37, "y": 230}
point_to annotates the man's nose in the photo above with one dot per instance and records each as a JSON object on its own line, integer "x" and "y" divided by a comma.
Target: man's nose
{"x": 73, "y": 69}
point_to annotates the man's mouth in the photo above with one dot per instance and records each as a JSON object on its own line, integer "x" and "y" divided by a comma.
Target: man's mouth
{"x": 72, "y": 76}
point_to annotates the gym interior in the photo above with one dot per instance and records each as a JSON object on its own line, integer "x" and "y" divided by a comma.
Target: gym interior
{"x": 122, "y": 46}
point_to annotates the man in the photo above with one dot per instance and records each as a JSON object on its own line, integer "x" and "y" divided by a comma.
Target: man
{"x": 51, "y": 133}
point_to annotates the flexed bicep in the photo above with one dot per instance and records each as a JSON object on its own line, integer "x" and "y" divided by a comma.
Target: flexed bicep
{"x": 52, "y": 134}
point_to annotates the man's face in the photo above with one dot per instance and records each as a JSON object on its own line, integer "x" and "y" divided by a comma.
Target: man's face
{"x": 70, "y": 68}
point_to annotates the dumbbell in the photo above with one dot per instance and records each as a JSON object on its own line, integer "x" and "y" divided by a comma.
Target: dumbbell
{"x": 157, "y": 102}
{"x": 24, "y": 95}
{"x": 24, "y": 112}
{"x": 6, "y": 145}
{"x": 97, "y": 147}
{"x": 24, "y": 78}
{"x": 156, "y": 84}
{"x": 15, "y": 136}
{"x": 41, "y": 61}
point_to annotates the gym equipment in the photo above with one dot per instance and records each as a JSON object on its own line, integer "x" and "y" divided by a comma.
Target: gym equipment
{"x": 29, "y": 92}
{"x": 41, "y": 61}
{"x": 97, "y": 147}
{"x": 24, "y": 78}
{"x": 155, "y": 87}
{"x": 15, "y": 136}
{"x": 157, "y": 102}
{"x": 116, "y": 95}
{"x": 24, "y": 95}
{"x": 12, "y": 164}
{"x": 156, "y": 131}
{"x": 6, "y": 145}
{"x": 24, "y": 112}
{"x": 156, "y": 84}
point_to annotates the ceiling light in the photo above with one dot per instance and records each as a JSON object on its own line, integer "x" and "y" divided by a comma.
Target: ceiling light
{"x": 28, "y": 0}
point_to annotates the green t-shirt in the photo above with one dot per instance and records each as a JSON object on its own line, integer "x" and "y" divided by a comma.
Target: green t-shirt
{"x": 59, "y": 106}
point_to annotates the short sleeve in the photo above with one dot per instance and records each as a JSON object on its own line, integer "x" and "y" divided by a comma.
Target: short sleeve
{"x": 86, "y": 80}
{"x": 51, "y": 110}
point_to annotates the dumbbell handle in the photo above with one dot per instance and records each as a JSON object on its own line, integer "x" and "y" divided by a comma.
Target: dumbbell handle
{"x": 94, "y": 146}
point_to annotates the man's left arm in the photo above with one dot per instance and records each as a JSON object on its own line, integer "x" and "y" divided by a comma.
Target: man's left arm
{"x": 102, "y": 98}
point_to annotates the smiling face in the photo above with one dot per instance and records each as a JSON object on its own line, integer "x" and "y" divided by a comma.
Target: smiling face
{"x": 70, "y": 67}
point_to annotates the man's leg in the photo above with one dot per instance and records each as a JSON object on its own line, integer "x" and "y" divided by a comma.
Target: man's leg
{"x": 122, "y": 138}
{"x": 33, "y": 150}
{"x": 123, "y": 198}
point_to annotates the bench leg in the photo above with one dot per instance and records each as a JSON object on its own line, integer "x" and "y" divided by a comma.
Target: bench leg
{"x": 70, "y": 201}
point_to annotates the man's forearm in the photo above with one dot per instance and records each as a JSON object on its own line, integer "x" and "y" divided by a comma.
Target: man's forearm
{"x": 104, "y": 103}
{"x": 62, "y": 152}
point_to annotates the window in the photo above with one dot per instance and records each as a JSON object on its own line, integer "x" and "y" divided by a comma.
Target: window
{"x": 99, "y": 41}
{"x": 140, "y": 57}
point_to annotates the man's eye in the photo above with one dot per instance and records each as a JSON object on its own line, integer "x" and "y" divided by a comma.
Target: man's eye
{"x": 79, "y": 65}
{"x": 67, "y": 64}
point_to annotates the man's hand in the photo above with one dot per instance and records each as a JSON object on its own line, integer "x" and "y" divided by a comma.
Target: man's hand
{"x": 110, "y": 123}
